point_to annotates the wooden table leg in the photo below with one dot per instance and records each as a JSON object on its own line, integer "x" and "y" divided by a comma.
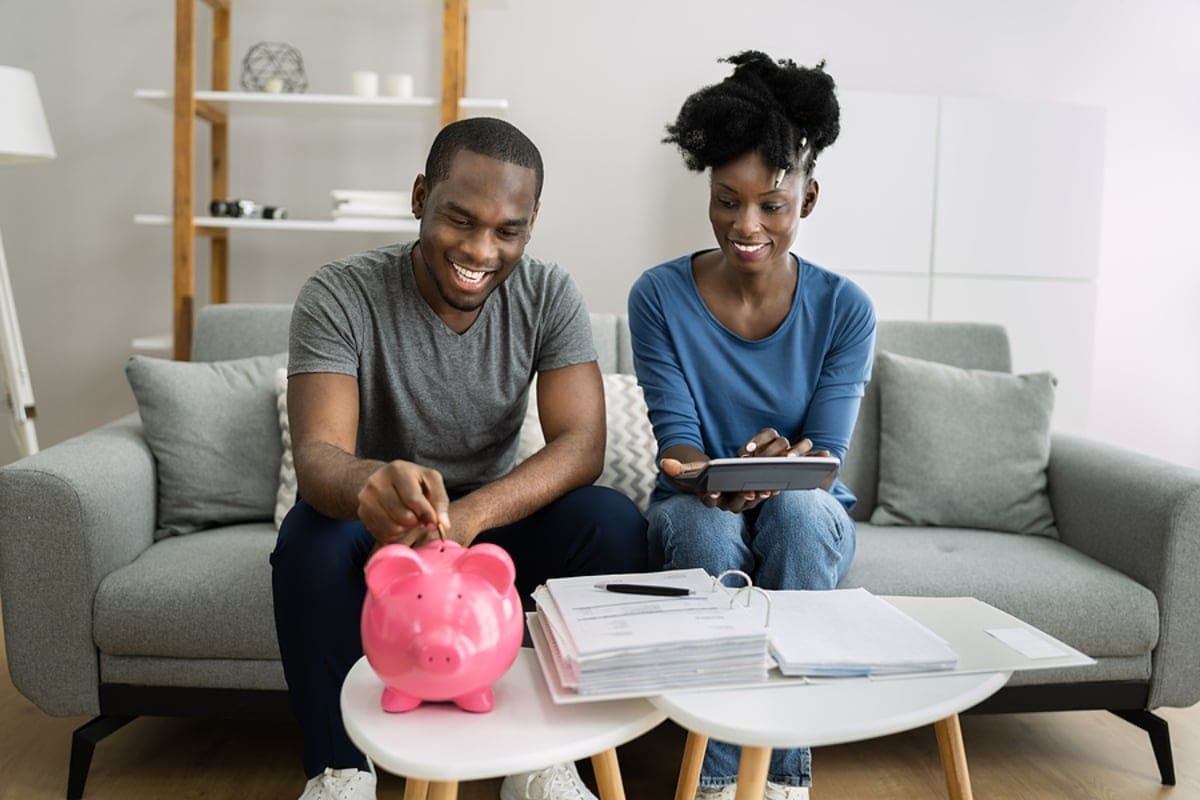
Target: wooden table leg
{"x": 415, "y": 789}
{"x": 954, "y": 757}
{"x": 443, "y": 790}
{"x": 608, "y": 775}
{"x": 689, "y": 770}
{"x": 752, "y": 773}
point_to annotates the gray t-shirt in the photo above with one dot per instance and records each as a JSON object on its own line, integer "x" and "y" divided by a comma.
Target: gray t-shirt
{"x": 454, "y": 402}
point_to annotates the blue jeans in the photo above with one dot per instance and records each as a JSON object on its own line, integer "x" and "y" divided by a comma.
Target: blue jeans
{"x": 795, "y": 540}
{"x": 318, "y": 588}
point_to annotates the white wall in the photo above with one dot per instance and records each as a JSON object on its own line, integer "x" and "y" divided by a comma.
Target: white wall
{"x": 593, "y": 82}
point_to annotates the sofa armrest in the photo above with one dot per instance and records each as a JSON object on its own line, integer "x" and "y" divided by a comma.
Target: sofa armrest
{"x": 69, "y": 516}
{"x": 1141, "y": 516}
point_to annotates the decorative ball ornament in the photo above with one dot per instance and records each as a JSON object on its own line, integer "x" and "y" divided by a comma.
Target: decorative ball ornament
{"x": 280, "y": 61}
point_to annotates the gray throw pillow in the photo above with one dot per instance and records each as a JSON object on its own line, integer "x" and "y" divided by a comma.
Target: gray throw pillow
{"x": 214, "y": 433}
{"x": 963, "y": 448}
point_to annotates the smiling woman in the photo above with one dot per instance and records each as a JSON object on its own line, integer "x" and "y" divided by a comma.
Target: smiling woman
{"x": 746, "y": 350}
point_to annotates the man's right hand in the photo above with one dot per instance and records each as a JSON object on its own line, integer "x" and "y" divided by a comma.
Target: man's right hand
{"x": 403, "y": 502}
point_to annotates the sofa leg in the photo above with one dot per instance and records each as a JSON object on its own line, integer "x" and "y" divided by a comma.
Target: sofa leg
{"x": 1160, "y": 739}
{"x": 83, "y": 744}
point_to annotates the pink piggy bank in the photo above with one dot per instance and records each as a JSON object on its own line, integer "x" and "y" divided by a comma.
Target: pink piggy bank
{"x": 440, "y": 622}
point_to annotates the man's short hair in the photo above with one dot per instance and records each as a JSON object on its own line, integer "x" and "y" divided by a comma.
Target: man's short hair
{"x": 486, "y": 136}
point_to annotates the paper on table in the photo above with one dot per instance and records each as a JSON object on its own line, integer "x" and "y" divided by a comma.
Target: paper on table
{"x": 597, "y": 623}
{"x": 850, "y": 631}
{"x": 601, "y": 641}
{"x": 1027, "y": 643}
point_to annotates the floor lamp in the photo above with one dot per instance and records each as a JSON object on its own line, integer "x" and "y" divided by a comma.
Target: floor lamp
{"x": 24, "y": 138}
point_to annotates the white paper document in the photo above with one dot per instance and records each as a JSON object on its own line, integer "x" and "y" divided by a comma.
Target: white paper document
{"x": 604, "y": 641}
{"x": 1027, "y": 643}
{"x": 850, "y": 632}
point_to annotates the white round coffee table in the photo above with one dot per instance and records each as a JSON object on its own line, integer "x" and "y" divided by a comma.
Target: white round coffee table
{"x": 827, "y": 712}
{"x": 437, "y": 744}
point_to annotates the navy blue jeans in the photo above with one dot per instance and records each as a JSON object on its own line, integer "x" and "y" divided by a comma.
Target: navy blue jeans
{"x": 318, "y": 586}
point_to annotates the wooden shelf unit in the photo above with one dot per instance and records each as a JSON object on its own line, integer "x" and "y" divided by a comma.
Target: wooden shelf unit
{"x": 215, "y": 107}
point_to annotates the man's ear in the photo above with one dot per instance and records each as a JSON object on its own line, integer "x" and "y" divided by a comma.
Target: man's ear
{"x": 420, "y": 192}
{"x": 532, "y": 219}
{"x": 810, "y": 197}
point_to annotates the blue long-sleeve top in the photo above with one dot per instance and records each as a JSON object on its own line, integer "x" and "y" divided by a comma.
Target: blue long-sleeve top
{"x": 710, "y": 388}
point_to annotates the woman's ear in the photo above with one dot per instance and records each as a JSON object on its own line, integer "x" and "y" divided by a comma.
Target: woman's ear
{"x": 811, "y": 190}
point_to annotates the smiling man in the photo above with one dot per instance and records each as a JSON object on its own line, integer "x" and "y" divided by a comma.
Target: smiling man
{"x": 409, "y": 372}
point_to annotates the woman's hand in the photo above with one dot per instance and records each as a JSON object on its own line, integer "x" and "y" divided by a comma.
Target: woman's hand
{"x": 769, "y": 442}
{"x": 735, "y": 502}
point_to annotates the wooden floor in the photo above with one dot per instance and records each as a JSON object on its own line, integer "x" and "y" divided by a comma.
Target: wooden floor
{"x": 1052, "y": 756}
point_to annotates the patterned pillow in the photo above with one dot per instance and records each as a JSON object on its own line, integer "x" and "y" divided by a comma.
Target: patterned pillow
{"x": 285, "y": 496}
{"x": 629, "y": 461}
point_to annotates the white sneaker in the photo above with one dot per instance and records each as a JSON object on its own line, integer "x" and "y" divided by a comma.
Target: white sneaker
{"x": 780, "y": 791}
{"x": 559, "y": 782}
{"x": 716, "y": 792}
{"x": 341, "y": 784}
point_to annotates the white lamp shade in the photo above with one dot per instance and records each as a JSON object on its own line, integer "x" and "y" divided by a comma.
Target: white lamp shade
{"x": 24, "y": 134}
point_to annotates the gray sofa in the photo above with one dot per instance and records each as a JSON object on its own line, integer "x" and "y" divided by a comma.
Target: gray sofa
{"x": 102, "y": 619}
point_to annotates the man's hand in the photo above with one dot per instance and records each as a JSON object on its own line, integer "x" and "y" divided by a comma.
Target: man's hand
{"x": 403, "y": 503}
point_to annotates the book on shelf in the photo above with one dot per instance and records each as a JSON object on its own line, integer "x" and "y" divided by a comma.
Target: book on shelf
{"x": 370, "y": 204}
{"x": 605, "y": 642}
{"x": 352, "y": 211}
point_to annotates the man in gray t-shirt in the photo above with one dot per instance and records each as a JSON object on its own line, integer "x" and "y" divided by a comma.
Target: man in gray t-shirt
{"x": 409, "y": 373}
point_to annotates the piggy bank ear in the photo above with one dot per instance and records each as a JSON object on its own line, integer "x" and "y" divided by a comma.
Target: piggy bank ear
{"x": 489, "y": 562}
{"x": 389, "y": 564}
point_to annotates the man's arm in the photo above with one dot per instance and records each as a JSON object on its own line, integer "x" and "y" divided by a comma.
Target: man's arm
{"x": 397, "y": 501}
{"x": 571, "y": 406}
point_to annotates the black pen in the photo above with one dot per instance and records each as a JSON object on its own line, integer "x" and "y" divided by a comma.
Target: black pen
{"x": 644, "y": 588}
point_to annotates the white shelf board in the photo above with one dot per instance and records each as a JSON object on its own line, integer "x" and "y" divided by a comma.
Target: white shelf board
{"x": 267, "y": 101}
{"x": 408, "y": 225}
{"x": 160, "y": 344}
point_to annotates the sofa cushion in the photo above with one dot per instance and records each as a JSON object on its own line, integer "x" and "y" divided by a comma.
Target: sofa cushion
{"x": 214, "y": 433}
{"x": 963, "y": 447}
{"x": 630, "y": 447}
{"x": 206, "y": 595}
{"x": 1048, "y": 584}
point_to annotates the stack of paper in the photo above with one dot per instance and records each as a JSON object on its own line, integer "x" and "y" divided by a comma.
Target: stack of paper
{"x": 850, "y": 632}
{"x": 367, "y": 204}
{"x": 604, "y": 642}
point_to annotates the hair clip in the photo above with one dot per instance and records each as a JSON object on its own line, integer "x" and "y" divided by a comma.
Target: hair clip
{"x": 779, "y": 176}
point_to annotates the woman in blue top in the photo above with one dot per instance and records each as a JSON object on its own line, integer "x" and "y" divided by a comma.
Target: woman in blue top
{"x": 747, "y": 350}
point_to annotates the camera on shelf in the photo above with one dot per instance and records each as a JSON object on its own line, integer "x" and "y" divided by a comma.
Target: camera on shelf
{"x": 245, "y": 209}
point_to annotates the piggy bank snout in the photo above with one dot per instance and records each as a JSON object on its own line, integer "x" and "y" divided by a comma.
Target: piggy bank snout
{"x": 439, "y": 651}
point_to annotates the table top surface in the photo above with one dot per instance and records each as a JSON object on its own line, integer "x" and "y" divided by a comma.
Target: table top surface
{"x": 525, "y": 731}
{"x": 830, "y": 711}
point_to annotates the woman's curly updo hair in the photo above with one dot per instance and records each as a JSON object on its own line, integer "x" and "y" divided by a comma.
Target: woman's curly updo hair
{"x": 786, "y": 112}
